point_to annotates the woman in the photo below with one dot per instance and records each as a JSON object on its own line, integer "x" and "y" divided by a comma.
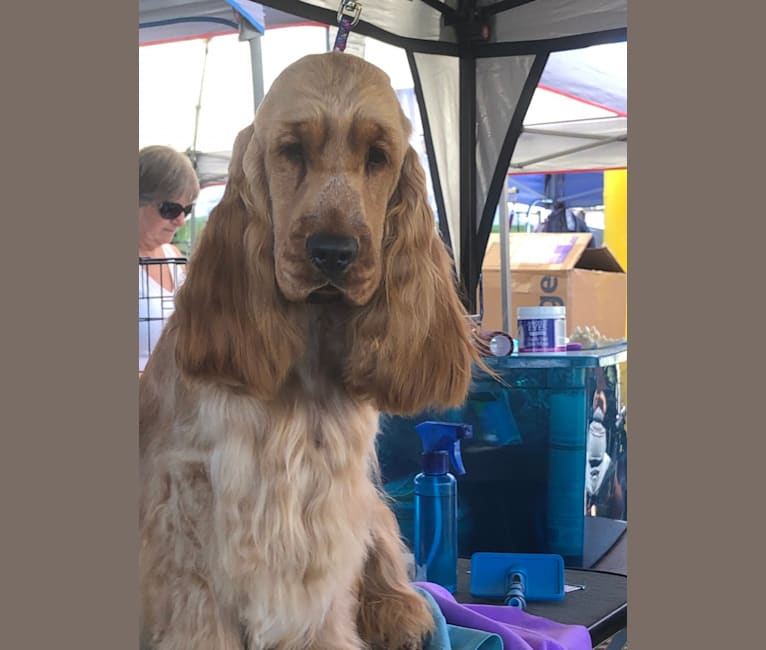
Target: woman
{"x": 167, "y": 189}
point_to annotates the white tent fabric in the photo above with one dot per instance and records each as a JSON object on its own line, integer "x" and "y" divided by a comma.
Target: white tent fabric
{"x": 476, "y": 65}
{"x": 439, "y": 78}
{"x": 565, "y": 145}
{"x": 499, "y": 82}
{"x": 168, "y": 20}
{"x": 558, "y": 18}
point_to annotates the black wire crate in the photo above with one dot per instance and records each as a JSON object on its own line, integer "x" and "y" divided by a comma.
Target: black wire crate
{"x": 158, "y": 279}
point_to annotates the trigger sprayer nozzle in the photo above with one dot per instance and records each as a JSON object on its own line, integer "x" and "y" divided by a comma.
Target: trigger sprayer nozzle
{"x": 444, "y": 437}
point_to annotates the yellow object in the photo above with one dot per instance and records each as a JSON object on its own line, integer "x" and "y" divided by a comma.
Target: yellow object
{"x": 616, "y": 217}
{"x": 616, "y": 214}
{"x": 616, "y": 238}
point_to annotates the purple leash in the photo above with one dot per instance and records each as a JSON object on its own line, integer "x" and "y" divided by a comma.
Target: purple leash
{"x": 348, "y": 16}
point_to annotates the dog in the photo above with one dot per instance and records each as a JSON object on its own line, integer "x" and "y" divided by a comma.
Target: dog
{"x": 318, "y": 295}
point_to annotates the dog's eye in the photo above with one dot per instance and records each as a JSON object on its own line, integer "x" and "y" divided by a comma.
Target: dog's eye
{"x": 293, "y": 151}
{"x": 376, "y": 157}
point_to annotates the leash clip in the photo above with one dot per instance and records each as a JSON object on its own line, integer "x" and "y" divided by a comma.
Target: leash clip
{"x": 350, "y": 9}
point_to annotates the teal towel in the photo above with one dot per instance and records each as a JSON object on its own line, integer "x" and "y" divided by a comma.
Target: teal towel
{"x": 454, "y": 637}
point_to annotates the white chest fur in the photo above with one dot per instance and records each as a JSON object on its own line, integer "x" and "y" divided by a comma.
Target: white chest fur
{"x": 292, "y": 497}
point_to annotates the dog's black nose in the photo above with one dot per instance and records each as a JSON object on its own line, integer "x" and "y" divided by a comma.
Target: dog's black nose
{"x": 331, "y": 254}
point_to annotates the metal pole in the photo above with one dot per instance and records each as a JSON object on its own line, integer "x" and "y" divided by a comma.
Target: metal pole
{"x": 505, "y": 267}
{"x": 566, "y": 152}
{"x": 257, "y": 63}
{"x": 248, "y": 33}
{"x": 197, "y": 109}
{"x": 467, "y": 147}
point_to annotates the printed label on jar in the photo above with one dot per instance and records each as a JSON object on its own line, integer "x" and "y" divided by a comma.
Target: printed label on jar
{"x": 542, "y": 335}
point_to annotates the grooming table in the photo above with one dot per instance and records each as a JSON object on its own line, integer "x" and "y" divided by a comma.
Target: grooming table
{"x": 602, "y": 606}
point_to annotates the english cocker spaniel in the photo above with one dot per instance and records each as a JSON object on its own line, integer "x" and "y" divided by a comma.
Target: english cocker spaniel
{"x": 318, "y": 295}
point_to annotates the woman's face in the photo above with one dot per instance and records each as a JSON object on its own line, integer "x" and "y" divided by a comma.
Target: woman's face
{"x": 153, "y": 229}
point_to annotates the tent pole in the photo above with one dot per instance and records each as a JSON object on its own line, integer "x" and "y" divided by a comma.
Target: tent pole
{"x": 566, "y": 134}
{"x": 467, "y": 148}
{"x": 257, "y": 62}
{"x": 505, "y": 271}
{"x": 248, "y": 33}
{"x": 194, "y": 157}
{"x": 584, "y": 147}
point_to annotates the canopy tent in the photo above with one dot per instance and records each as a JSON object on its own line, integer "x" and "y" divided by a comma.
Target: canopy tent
{"x": 476, "y": 65}
{"x": 168, "y": 20}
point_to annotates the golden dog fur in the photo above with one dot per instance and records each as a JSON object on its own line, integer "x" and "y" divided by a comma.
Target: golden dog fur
{"x": 263, "y": 526}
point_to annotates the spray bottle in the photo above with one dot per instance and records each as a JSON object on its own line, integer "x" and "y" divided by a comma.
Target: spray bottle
{"x": 436, "y": 503}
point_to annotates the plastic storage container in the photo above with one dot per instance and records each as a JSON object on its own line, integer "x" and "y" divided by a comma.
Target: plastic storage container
{"x": 528, "y": 458}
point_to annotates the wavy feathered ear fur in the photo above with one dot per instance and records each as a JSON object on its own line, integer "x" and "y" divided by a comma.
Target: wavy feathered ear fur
{"x": 233, "y": 326}
{"x": 412, "y": 345}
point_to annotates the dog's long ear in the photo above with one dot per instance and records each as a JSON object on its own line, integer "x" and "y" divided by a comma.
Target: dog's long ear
{"x": 412, "y": 345}
{"x": 233, "y": 325}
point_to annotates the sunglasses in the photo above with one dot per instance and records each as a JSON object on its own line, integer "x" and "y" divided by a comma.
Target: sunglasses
{"x": 169, "y": 210}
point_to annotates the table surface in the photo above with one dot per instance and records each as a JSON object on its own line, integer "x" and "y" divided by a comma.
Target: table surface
{"x": 601, "y": 606}
{"x": 597, "y": 357}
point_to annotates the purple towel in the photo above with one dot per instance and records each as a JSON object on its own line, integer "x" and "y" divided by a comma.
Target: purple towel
{"x": 518, "y": 629}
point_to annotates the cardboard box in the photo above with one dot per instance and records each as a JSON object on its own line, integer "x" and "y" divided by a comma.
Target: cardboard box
{"x": 557, "y": 269}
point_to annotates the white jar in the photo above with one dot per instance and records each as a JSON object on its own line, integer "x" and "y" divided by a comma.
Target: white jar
{"x": 542, "y": 329}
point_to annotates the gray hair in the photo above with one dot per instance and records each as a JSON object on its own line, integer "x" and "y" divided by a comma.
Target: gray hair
{"x": 164, "y": 173}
